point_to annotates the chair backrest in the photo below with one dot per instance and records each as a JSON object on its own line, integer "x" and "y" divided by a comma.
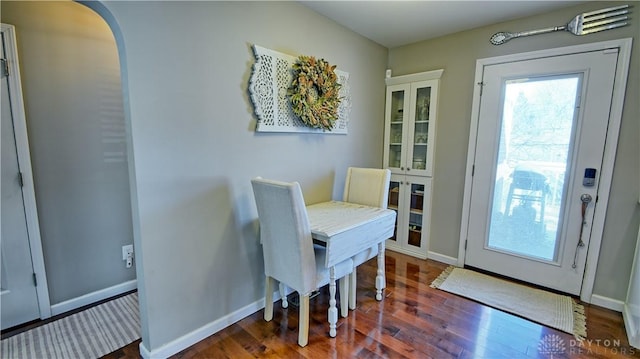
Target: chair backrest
{"x": 287, "y": 245}
{"x": 367, "y": 186}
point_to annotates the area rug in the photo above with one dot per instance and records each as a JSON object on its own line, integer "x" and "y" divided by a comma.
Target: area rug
{"x": 546, "y": 308}
{"x": 91, "y": 333}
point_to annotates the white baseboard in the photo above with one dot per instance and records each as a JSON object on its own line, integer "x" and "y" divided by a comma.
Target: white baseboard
{"x": 93, "y": 297}
{"x": 633, "y": 333}
{"x": 207, "y": 330}
{"x": 443, "y": 258}
{"x": 201, "y": 333}
{"x": 607, "y": 302}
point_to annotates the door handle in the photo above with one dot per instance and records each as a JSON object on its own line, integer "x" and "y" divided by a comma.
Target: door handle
{"x": 585, "y": 198}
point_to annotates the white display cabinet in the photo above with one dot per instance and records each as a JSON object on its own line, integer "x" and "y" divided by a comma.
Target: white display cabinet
{"x": 409, "y": 142}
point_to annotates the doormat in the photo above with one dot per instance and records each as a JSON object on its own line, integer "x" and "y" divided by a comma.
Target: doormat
{"x": 92, "y": 333}
{"x": 553, "y": 310}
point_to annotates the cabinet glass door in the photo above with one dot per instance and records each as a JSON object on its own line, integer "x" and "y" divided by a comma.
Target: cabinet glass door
{"x": 416, "y": 213}
{"x": 394, "y": 204}
{"x": 420, "y": 141}
{"x": 421, "y": 135}
{"x": 397, "y": 120}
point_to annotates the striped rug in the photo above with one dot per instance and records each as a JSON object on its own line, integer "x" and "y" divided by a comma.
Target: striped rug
{"x": 553, "y": 310}
{"x": 91, "y": 333}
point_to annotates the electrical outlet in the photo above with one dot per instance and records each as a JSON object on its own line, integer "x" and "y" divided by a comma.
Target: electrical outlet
{"x": 127, "y": 254}
{"x": 127, "y": 251}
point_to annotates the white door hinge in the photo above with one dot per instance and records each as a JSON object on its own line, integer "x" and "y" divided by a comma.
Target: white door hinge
{"x": 5, "y": 68}
{"x": 481, "y": 84}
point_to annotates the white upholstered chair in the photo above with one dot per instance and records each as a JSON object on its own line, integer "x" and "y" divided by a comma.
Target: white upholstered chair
{"x": 369, "y": 187}
{"x": 290, "y": 256}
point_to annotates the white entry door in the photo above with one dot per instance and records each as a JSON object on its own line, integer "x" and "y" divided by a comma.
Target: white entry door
{"x": 18, "y": 290}
{"x": 541, "y": 135}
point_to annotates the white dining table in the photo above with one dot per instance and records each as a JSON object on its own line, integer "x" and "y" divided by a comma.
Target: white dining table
{"x": 347, "y": 229}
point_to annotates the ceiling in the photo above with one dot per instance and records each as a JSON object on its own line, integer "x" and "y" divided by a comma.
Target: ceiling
{"x": 397, "y": 23}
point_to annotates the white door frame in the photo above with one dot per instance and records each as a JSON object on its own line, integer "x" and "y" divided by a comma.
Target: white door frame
{"x": 24, "y": 161}
{"x": 608, "y": 162}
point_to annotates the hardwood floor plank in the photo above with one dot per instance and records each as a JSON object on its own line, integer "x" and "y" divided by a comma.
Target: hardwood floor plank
{"x": 393, "y": 336}
{"x": 275, "y": 335}
{"x": 412, "y": 321}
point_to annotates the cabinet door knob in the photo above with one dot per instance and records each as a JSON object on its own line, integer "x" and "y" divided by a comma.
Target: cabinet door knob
{"x": 401, "y": 168}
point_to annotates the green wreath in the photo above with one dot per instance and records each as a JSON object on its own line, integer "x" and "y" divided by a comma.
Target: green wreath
{"x": 314, "y": 92}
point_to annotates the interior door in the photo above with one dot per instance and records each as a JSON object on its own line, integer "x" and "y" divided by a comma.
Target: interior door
{"x": 18, "y": 291}
{"x": 540, "y": 141}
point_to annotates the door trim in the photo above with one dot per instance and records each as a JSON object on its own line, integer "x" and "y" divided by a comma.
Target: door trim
{"x": 24, "y": 161}
{"x": 608, "y": 162}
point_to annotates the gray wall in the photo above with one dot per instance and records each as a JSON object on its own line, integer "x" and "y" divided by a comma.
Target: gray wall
{"x": 73, "y": 99}
{"x": 187, "y": 67}
{"x": 457, "y": 55}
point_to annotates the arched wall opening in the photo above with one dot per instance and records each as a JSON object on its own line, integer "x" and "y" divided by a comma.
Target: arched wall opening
{"x": 77, "y": 121}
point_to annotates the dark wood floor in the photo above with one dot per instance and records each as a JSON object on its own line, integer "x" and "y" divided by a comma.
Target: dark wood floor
{"x": 413, "y": 321}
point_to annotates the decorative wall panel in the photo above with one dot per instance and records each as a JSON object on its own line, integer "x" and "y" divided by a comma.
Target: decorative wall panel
{"x": 270, "y": 79}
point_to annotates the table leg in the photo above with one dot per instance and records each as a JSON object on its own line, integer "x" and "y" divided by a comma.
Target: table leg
{"x": 381, "y": 282}
{"x": 333, "y": 311}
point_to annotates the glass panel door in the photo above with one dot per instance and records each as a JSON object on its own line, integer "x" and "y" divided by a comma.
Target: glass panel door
{"x": 537, "y": 131}
{"x": 542, "y": 123}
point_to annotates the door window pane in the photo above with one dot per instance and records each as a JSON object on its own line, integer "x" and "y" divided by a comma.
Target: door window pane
{"x": 536, "y": 134}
